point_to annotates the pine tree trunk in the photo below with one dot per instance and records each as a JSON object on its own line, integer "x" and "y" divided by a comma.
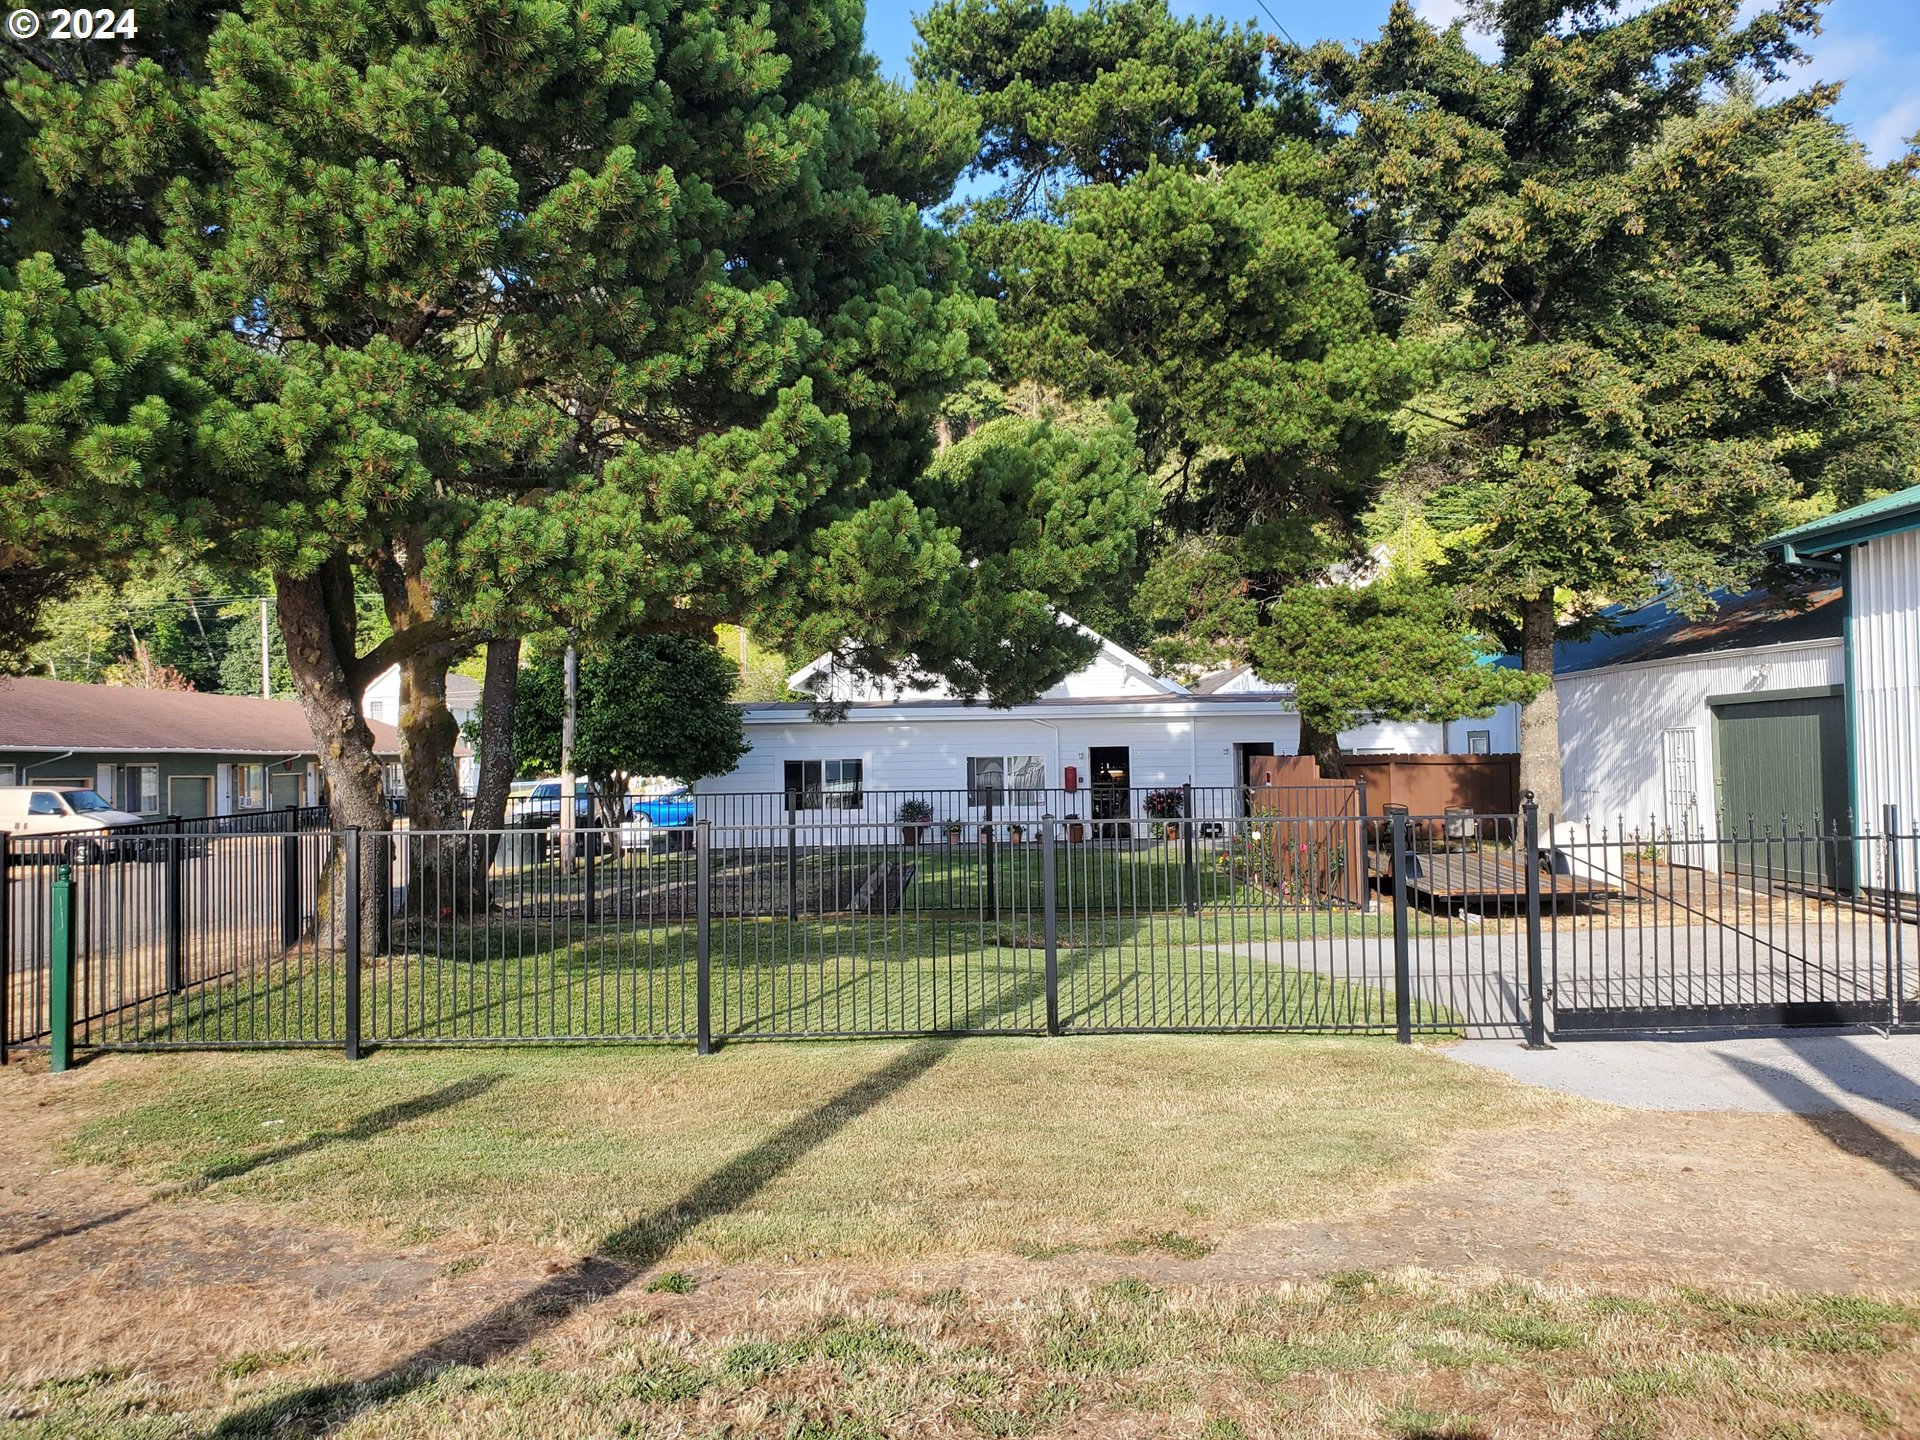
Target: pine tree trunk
{"x": 319, "y": 645}
{"x": 1324, "y": 746}
{"x": 1540, "y": 719}
{"x": 497, "y": 697}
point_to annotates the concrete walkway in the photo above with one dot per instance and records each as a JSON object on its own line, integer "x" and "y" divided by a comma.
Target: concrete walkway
{"x": 1870, "y": 1077}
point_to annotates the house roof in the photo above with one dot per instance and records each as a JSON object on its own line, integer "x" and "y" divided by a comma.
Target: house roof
{"x": 979, "y": 709}
{"x": 799, "y": 679}
{"x": 1889, "y": 515}
{"x": 37, "y": 714}
{"x": 1656, "y": 631}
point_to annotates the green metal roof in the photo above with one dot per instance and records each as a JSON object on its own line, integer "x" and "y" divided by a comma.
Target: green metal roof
{"x": 1889, "y": 515}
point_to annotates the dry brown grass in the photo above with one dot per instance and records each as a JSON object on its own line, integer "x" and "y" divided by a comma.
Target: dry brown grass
{"x": 1406, "y": 1356}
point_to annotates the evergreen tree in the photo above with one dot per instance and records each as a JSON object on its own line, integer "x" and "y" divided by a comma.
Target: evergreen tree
{"x": 646, "y": 705}
{"x": 610, "y": 318}
{"x": 1631, "y": 264}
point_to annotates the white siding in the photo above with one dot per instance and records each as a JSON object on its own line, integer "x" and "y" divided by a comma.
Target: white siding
{"x": 1884, "y": 600}
{"x": 1613, "y": 724}
{"x": 930, "y": 753}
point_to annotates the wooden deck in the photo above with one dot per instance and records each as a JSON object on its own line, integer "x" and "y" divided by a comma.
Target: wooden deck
{"x": 1486, "y": 879}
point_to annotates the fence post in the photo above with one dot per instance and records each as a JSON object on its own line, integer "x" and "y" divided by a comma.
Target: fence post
{"x": 1366, "y": 842}
{"x": 60, "y": 972}
{"x": 1402, "y": 949}
{"x": 6, "y": 948}
{"x": 176, "y": 922}
{"x": 993, "y": 900}
{"x": 1536, "y": 971}
{"x": 1050, "y": 920}
{"x": 350, "y": 901}
{"x": 289, "y": 877}
{"x": 1890, "y": 889}
{"x": 589, "y": 876}
{"x": 793, "y": 856}
{"x": 1189, "y": 880}
{"x": 703, "y": 936}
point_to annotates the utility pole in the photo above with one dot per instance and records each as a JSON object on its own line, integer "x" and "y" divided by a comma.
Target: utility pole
{"x": 266, "y": 655}
{"x": 566, "y": 757}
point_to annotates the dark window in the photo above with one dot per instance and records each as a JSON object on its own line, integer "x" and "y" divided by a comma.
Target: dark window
{"x": 996, "y": 779}
{"x": 824, "y": 784}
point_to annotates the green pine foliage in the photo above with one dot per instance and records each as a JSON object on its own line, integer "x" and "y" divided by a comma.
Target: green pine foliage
{"x": 647, "y": 705}
{"x": 1671, "y": 310}
{"x": 612, "y": 319}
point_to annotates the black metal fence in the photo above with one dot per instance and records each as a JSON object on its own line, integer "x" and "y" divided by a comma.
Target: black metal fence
{"x": 773, "y": 922}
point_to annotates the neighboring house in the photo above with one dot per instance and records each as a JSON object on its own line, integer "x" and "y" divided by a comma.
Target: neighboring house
{"x": 1495, "y": 734}
{"x": 1112, "y": 727}
{"x": 161, "y": 752}
{"x": 381, "y": 703}
{"x": 1690, "y": 727}
{"x": 1873, "y": 550}
{"x": 1789, "y": 715}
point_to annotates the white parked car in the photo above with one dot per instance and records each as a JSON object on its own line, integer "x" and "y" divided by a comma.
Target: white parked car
{"x": 33, "y": 812}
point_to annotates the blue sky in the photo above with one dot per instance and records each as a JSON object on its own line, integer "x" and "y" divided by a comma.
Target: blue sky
{"x": 1872, "y": 45}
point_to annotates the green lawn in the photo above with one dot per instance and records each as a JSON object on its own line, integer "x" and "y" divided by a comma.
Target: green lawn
{"x": 902, "y": 975}
{"x": 873, "y": 1149}
{"x": 842, "y": 1171}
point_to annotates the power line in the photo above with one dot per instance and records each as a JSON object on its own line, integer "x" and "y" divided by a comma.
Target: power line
{"x": 1277, "y": 25}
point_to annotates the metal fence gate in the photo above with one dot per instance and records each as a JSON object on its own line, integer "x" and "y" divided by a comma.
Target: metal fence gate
{"x": 1192, "y": 912}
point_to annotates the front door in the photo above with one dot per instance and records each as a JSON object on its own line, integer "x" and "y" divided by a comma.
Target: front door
{"x": 1111, "y": 768}
{"x": 1244, "y": 755}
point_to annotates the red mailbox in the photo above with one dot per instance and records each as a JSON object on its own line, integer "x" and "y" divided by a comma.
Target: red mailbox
{"x": 1071, "y": 779}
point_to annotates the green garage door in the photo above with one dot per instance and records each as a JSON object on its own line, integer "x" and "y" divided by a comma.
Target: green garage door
{"x": 1780, "y": 767}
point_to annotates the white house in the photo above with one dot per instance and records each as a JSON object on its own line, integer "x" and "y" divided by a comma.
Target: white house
{"x": 1797, "y": 713}
{"x": 382, "y": 703}
{"x": 1111, "y": 728}
{"x": 1664, "y": 721}
{"x": 1088, "y": 746}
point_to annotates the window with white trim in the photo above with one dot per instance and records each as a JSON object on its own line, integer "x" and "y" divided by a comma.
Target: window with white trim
{"x": 140, "y": 785}
{"x": 249, "y": 787}
{"x": 1479, "y": 742}
{"x": 998, "y": 779}
{"x": 824, "y": 784}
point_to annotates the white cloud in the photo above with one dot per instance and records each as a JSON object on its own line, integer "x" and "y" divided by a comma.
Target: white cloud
{"x": 1886, "y": 135}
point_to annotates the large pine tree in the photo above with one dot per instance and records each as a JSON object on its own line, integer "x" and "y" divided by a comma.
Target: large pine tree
{"x": 1671, "y": 310}
{"x": 603, "y": 318}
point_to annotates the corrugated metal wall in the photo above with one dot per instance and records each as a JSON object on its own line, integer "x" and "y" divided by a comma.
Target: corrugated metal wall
{"x": 1884, "y": 591}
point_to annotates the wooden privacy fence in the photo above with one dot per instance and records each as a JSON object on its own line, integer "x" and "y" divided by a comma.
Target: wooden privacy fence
{"x": 1315, "y": 851}
{"x": 1432, "y": 785}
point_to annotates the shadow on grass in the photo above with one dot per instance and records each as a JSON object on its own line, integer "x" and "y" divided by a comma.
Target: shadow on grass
{"x": 622, "y": 1257}
{"x": 80, "y": 1229}
{"x": 374, "y": 1122}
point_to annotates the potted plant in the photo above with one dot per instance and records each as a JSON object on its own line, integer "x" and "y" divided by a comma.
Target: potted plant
{"x": 913, "y": 816}
{"x": 1076, "y": 832}
{"x": 955, "y": 832}
{"x": 1014, "y": 832}
{"x": 1167, "y": 804}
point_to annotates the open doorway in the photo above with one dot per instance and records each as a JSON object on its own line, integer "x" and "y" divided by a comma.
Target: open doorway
{"x": 1244, "y": 754}
{"x": 1110, "y": 774}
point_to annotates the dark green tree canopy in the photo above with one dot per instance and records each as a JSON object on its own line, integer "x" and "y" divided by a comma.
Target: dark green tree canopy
{"x": 1096, "y": 95}
{"x": 617, "y": 318}
{"x": 647, "y": 705}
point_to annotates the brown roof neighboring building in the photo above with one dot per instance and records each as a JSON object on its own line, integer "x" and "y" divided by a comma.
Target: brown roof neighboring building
{"x": 37, "y": 714}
